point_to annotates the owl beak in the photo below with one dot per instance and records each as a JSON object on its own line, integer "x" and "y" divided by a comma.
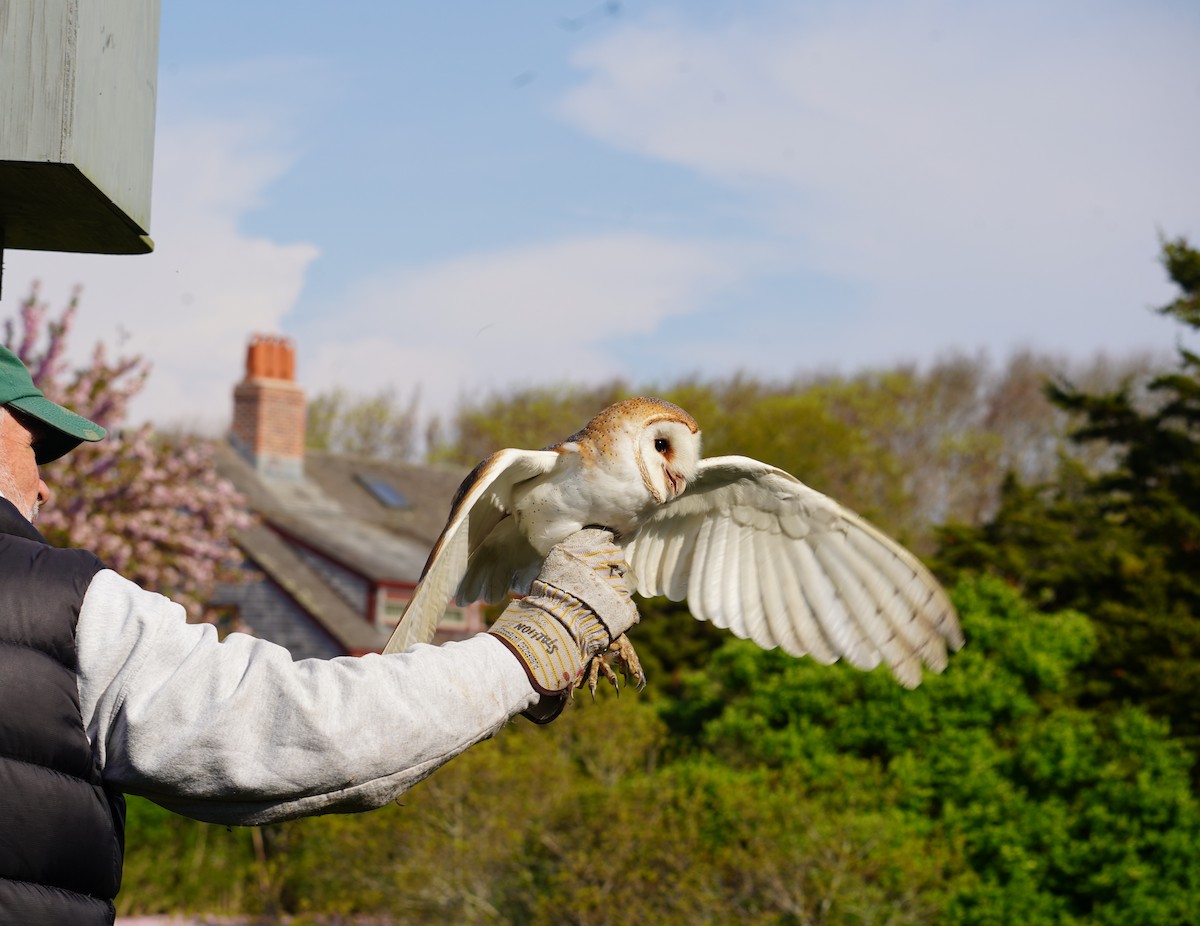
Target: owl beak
{"x": 677, "y": 485}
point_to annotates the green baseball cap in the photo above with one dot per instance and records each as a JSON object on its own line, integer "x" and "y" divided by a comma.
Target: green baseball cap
{"x": 63, "y": 431}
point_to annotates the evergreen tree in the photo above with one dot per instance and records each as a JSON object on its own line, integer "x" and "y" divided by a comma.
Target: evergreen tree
{"x": 1121, "y": 544}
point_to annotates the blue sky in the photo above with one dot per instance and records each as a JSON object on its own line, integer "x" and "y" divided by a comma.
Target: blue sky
{"x": 469, "y": 196}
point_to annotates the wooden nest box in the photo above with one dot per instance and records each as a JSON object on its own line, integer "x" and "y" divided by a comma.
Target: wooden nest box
{"x": 78, "y": 80}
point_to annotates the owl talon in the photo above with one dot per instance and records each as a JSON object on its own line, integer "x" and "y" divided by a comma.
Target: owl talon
{"x": 625, "y": 655}
{"x": 620, "y": 651}
{"x": 600, "y": 667}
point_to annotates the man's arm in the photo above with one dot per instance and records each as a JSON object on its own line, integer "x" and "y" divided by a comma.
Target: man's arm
{"x": 236, "y": 732}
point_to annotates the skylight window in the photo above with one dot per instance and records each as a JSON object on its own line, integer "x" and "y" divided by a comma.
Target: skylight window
{"x": 384, "y": 492}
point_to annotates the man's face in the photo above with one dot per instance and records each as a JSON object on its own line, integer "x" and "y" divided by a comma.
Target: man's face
{"x": 19, "y": 479}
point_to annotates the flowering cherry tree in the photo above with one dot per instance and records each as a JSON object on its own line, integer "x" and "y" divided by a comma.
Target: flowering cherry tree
{"x": 152, "y": 507}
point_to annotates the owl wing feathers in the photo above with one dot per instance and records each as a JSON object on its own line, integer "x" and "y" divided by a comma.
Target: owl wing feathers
{"x": 479, "y": 521}
{"x": 755, "y": 550}
{"x": 505, "y": 561}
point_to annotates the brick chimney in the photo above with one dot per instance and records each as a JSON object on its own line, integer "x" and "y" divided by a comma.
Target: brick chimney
{"x": 269, "y": 410}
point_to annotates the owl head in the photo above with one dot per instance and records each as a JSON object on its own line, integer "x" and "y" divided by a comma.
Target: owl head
{"x": 663, "y": 439}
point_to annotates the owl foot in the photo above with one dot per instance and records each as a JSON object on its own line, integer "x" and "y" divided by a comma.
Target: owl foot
{"x": 621, "y": 652}
{"x": 627, "y": 658}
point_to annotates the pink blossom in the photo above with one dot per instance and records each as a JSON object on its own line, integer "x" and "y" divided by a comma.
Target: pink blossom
{"x": 151, "y": 506}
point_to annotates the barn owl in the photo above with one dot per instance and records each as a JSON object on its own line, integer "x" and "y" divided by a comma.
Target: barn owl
{"x": 749, "y": 546}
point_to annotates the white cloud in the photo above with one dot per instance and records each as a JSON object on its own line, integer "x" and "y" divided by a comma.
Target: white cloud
{"x": 958, "y": 175}
{"x": 189, "y": 306}
{"x": 541, "y": 314}
{"x": 989, "y": 174}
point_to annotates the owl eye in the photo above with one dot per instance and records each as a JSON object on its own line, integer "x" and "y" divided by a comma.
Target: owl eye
{"x": 662, "y": 445}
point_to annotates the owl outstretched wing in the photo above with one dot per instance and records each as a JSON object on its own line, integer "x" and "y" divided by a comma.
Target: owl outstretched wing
{"x": 480, "y": 522}
{"x": 755, "y": 550}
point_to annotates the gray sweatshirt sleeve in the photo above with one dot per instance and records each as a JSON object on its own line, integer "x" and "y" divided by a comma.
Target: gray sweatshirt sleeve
{"x": 234, "y": 731}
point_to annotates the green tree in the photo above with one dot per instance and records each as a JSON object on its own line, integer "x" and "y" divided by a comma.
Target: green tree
{"x": 1120, "y": 542}
{"x": 531, "y": 418}
{"x": 173, "y": 864}
{"x": 1056, "y": 814}
{"x": 906, "y": 448}
{"x": 379, "y": 426}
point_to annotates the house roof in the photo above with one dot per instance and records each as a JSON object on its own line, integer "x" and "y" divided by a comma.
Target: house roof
{"x": 336, "y": 534}
{"x": 428, "y": 490}
{"x": 332, "y": 511}
{"x": 279, "y": 560}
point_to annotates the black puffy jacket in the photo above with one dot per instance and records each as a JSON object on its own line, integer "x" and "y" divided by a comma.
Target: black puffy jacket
{"x": 61, "y": 830}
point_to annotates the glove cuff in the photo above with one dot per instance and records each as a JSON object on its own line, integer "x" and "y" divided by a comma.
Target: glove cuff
{"x": 543, "y": 645}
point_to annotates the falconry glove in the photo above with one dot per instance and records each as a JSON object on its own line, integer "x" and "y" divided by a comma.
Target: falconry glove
{"x": 576, "y": 607}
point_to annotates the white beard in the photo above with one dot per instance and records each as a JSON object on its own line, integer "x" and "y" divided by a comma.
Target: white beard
{"x": 9, "y": 491}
